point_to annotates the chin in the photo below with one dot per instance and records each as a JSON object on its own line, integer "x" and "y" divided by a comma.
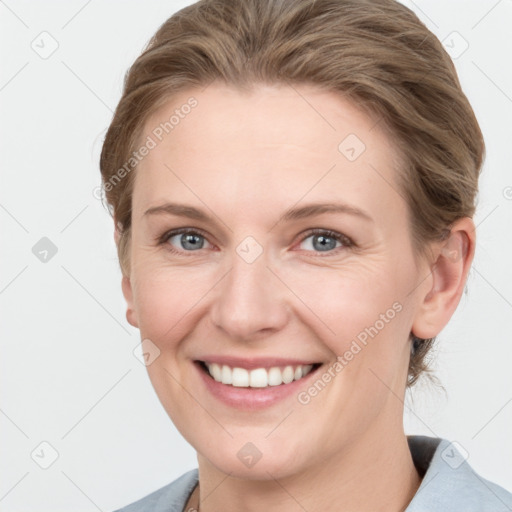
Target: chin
{"x": 261, "y": 460}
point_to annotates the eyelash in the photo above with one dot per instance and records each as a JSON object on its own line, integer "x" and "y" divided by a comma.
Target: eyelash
{"x": 339, "y": 237}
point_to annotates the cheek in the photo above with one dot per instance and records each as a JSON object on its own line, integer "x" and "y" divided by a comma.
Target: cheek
{"x": 360, "y": 314}
{"x": 167, "y": 300}
{"x": 168, "y": 304}
{"x": 346, "y": 300}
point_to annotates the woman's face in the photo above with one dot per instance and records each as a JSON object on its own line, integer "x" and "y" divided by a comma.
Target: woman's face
{"x": 268, "y": 230}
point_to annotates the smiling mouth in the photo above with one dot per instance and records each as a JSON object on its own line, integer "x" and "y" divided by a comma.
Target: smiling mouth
{"x": 257, "y": 377}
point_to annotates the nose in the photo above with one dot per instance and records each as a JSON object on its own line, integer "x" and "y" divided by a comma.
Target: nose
{"x": 250, "y": 301}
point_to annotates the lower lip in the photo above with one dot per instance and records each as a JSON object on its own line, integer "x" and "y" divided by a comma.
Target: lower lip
{"x": 252, "y": 398}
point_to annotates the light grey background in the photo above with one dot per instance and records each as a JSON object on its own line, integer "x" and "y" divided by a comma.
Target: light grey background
{"x": 69, "y": 374}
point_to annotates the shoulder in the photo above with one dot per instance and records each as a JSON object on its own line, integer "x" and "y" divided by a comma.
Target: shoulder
{"x": 450, "y": 483}
{"x": 170, "y": 498}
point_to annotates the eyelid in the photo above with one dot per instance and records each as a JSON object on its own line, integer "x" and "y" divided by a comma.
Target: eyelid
{"x": 162, "y": 239}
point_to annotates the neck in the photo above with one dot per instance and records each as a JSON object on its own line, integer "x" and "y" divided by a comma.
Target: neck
{"x": 378, "y": 476}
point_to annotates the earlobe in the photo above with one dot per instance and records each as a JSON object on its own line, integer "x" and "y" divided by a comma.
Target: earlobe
{"x": 131, "y": 315}
{"x": 447, "y": 281}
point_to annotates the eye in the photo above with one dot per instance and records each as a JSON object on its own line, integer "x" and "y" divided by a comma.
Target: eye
{"x": 321, "y": 240}
{"x": 184, "y": 239}
{"x": 191, "y": 240}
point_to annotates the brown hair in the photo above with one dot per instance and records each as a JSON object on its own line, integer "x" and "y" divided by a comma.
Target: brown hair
{"x": 377, "y": 53}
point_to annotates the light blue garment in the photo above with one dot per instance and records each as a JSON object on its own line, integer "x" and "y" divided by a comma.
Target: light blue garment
{"x": 449, "y": 484}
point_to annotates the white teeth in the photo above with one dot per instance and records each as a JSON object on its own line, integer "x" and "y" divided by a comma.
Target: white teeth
{"x": 259, "y": 377}
{"x": 240, "y": 377}
{"x": 274, "y": 377}
{"x": 226, "y": 375}
{"x": 288, "y": 374}
{"x": 216, "y": 372}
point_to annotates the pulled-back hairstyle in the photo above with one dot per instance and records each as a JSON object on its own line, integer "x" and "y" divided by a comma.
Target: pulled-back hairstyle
{"x": 376, "y": 53}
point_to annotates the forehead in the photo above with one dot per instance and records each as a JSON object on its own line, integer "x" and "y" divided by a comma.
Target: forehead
{"x": 278, "y": 142}
{"x": 267, "y": 114}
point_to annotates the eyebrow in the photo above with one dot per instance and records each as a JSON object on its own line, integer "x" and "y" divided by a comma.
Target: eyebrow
{"x": 303, "y": 212}
{"x": 311, "y": 210}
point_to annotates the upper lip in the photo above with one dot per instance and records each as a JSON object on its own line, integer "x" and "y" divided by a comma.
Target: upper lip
{"x": 255, "y": 362}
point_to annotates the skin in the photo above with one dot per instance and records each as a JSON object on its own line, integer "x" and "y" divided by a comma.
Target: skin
{"x": 244, "y": 159}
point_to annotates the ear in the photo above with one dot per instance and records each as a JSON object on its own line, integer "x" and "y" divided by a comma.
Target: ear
{"x": 126, "y": 286}
{"x": 117, "y": 233}
{"x": 131, "y": 315}
{"x": 447, "y": 280}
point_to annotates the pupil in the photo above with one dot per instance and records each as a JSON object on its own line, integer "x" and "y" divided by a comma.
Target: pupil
{"x": 325, "y": 244}
{"x": 193, "y": 240}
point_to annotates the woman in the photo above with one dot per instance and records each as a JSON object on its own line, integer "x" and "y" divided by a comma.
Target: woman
{"x": 293, "y": 184}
